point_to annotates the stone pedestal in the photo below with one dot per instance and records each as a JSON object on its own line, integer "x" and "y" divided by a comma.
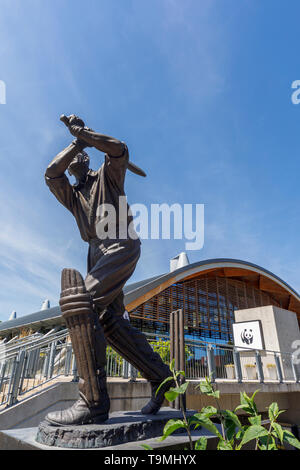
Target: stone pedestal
{"x": 121, "y": 427}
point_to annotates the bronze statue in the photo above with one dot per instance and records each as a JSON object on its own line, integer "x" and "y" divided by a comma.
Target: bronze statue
{"x": 93, "y": 308}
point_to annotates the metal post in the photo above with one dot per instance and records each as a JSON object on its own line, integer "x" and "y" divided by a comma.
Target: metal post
{"x": 172, "y": 343}
{"x": 36, "y": 362}
{"x": 176, "y": 340}
{"x": 171, "y": 336}
{"x": 211, "y": 362}
{"x": 125, "y": 365}
{"x": 68, "y": 359}
{"x": 182, "y": 353}
{"x": 74, "y": 370}
{"x": 132, "y": 373}
{"x": 278, "y": 367}
{"x": 15, "y": 378}
{"x": 24, "y": 369}
{"x": 177, "y": 349}
{"x": 2, "y": 374}
{"x": 260, "y": 372}
{"x": 294, "y": 369}
{"x": 46, "y": 361}
{"x": 51, "y": 360}
{"x": 237, "y": 365}
{"x": 31, "y": 364}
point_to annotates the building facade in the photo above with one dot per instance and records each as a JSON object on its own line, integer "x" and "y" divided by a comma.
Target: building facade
{"x": 209, "y": 292}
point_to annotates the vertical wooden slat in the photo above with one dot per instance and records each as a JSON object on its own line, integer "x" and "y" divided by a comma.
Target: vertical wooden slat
{"x": 197, "y": 309}
{"x": 237, "y": 297}
{"x": 207, "y": 304}
{"x": 227, "y": 309}
{"x": 202, "y": 294}
{"x": 181, "y": 340}
{"x": 218, "y": 305}
{"x": 246, "y": 296}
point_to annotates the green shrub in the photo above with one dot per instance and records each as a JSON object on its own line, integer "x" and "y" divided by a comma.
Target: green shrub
{"x": 231, "y": 434}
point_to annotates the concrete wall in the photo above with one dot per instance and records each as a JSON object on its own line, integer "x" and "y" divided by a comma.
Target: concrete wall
{"x": 30, "y": 412}
{"x": 280, "y": 327}
{"x": 132, "y": 396}
{"x": 286, "y": 395}
{"x": 287, "y": 327}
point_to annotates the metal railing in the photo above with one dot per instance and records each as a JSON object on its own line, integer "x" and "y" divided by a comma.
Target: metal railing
{"x": 228, "y": 363}
{"x": 30, "y": 362}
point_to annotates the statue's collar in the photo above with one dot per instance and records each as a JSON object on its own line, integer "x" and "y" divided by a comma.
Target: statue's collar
{"x": 91, "y": 174}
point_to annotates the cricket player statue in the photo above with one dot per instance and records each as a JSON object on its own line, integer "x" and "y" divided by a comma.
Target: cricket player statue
{"x": 93, "y": 307}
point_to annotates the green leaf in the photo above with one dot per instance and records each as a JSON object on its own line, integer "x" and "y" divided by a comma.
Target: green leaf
{"x": 168, "y": 379}
{"x": 246, "y": 408}
{"x": 182, "y": 389}
{"x": 247, "y": 403}
{"x": 206, "y": 412}
{"x": 240, "y": 433}
{"x": 230, "y": 430}
{"x": 224, "y": 445}
{"x": 172, "y": 365}
{"x": 201, "y": 444}
{"x": 231, "y": 423}
{"x": 171, "y": 426}
{"x": 253, "y": 395}
{"x": 267, "y": 443}
{"x": 146, "y": 447}
{"x": 171, "y": 395}
{"x": 209, "y": 411}
{"x": 253, "y": 432}
{"x": 273, "y": 411}
{"x": 230, "y": 416}
{"x": 278, "y": 431}
{"x": 291, "y": 439}
{"x": 175, "y": 391}
{"x": 205, "y": 388}
{"x": 201, "y": 420}
{"x": 255, "y": 420}
{"x": 180, "y": 372}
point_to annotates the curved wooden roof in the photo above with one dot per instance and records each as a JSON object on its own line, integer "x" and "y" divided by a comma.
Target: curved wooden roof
{"x": 139, "y": 292}
{"x": 255, "y": 275}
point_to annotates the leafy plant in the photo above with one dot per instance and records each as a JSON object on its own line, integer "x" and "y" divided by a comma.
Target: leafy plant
{"x": 231, "y": 433}
{"x": 163, "y": 349}
{"x": 114, "y": 358}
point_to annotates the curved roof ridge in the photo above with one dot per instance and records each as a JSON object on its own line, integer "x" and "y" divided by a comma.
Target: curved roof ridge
{"x": 177, "y": 274}
{"x": 138, "y": 289}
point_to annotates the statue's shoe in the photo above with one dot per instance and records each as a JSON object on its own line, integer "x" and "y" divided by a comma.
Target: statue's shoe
{"x": 156, "y": 401}
{"x": 79, "y": 414}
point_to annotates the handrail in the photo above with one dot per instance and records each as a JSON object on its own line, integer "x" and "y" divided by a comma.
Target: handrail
{"x": 33, "y": 344}
{"x": 26, "y": 365}
{"x": 219, "y": 345}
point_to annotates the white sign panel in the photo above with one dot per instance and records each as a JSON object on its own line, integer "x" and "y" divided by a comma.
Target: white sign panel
{"x": 248, "y": 335}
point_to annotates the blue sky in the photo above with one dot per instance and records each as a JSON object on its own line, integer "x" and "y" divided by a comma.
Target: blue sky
{"x": 201, "y": 93}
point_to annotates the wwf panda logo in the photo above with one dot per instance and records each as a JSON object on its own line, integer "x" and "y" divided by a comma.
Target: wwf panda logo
{"x": 247, "y": 336}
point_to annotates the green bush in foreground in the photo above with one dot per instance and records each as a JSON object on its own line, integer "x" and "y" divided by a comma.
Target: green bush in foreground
{"x": 231, "y": 434}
